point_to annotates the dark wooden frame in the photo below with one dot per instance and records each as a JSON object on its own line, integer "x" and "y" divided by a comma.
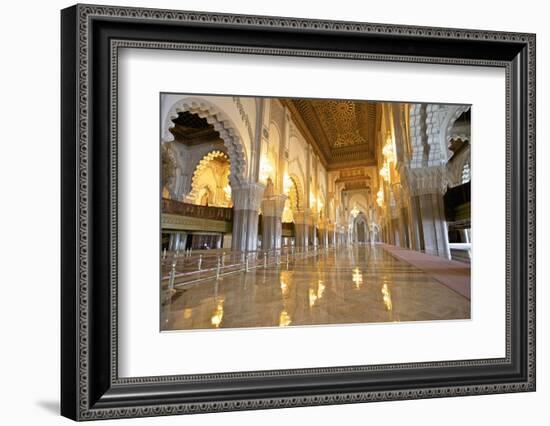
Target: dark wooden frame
{"x": 90, "y": 386}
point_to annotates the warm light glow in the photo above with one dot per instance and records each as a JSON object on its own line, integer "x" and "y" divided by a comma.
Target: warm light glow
{"x": 357, "y": 277}
{"x": 355, "y": 211}
{"x": 312, "y": 200}
{"x": 217, "y": 316}
{"x": 265, "y": 168}
{"x": 227, "y": 191}
{"x": 320, "y": 289}
{"x": 287, "y": 216}
{"x": 388, "y": 151}
{"x": 312, "y": 297}
{"x": 385, "y": 172}
{"x": 380, "y": 197}
{"x": 284, "y": 319}
{"x": 287, "y": 183}
{"x": 386, "y": 296}
{"x": 284, "y": 289}
{"x": 187, "y": 313}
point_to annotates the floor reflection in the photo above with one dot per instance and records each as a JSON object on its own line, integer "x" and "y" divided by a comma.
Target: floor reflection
{"x": 357, "y": 285}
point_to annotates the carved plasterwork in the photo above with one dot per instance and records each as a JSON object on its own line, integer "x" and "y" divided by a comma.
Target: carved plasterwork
{"x": 169, "y": 166}
{"x": 426, "y": 180}
{"x": 340, "y": 130}
{"x": 211, "y": 173}
{"x": 184, "y": 223}
{"x": 222, "y": 124}
{"x": 247, "y": 196}
{"x": 273, "y": 206}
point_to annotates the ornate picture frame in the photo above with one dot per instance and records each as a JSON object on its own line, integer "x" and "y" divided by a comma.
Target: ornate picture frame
{"x": 90, "y": 385}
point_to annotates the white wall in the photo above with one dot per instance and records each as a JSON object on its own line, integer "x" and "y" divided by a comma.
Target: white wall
{"x": 29, "y": 233}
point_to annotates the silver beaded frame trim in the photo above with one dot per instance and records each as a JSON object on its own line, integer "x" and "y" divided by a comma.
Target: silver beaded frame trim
{"x": 86, "y": 13}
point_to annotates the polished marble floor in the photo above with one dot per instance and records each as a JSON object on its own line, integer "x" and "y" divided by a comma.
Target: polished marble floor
{"x": 359, "y": 284}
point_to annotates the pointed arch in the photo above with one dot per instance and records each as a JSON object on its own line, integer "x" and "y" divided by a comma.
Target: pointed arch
{"x": 299, "y": 191}
{"x": 194, "y": 195}
{"x": 222, "y": 124}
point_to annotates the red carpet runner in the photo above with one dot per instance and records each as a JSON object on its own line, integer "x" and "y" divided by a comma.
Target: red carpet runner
{"x": 453, "y": 274}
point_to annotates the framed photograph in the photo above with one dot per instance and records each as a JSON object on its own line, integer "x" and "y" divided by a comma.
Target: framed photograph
{"x": 263, "y": 212}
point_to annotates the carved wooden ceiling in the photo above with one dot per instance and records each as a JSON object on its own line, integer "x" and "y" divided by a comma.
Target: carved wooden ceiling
{"x": 191, "y": 129}
{"x": 343, "y": 131}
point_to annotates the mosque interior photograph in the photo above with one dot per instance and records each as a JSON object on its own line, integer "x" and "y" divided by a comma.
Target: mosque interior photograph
{"x": 281, "y": 212}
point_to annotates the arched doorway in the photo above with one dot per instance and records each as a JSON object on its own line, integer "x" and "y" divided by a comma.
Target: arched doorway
{"x": 210, "y": 183}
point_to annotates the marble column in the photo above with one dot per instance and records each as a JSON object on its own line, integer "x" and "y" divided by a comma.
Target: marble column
{"x": 272, "y": 228}
{"x": 434, "y": 225}
{"x": 246, "y": 204}
{"x": 301, "y": 228}
{"x": 172, "y": 242}
{"x": 416, "y": 224}
{"x": 182, "y": 241}
{"x": 426, "y": 186}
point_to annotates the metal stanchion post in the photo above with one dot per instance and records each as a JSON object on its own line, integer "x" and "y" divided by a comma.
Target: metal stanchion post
{"x": 200, "y": 262}
{"x": 246, "y": 263}
{"x": 265, "y": 259}
{"x": 172, "y": 277}
{"x": 218, "y": 269}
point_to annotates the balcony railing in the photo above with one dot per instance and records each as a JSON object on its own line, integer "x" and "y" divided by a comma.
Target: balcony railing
{"x": 193, "y": 210}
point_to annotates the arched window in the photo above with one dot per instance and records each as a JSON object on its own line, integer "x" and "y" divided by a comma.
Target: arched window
{"x": 465, "y": 177}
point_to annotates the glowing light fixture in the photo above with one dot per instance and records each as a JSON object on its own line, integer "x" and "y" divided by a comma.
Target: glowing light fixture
{"x": 265, "y": 168}
{"x": 312, "y": 200}
{"x": 227, "y": 191}
{"x": 385, "y": 172}
{"x": 380, "y": 197}
{"x": 355, "y": 211}
{"x": 388, "y": 152}
{"x": 287, "y": 183}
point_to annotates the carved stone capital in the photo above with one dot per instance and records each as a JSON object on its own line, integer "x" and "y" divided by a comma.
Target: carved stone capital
{"x": 302, "y": 216}
{"x": 426, "y": 180}
{"x": 247, "y": 196}
{"x": 273, "y": 206}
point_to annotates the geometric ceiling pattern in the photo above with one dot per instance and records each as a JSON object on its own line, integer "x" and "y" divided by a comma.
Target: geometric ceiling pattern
{"x": 343, "y": 130}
